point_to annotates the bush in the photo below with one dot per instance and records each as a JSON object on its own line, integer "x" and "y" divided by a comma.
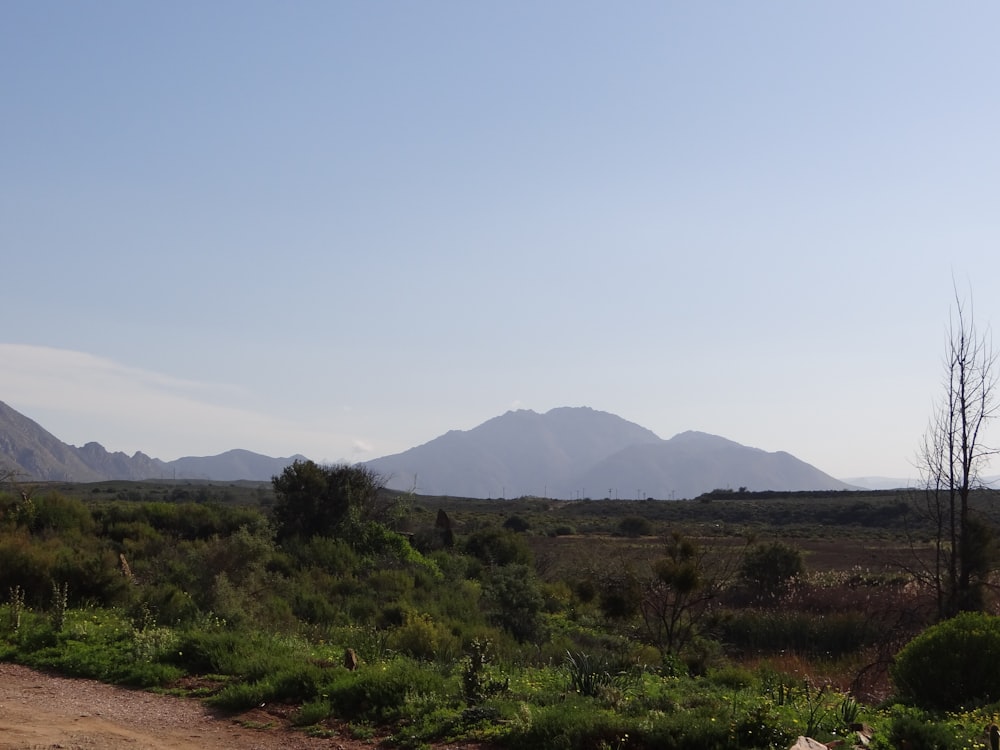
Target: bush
{"x": 517, "y": 524}
{"x": 498, "y": 547}
{"x": 594, "y": 676}
{"x": 635, "y": 526}
{"x": 575, "y": 724}
{"x": 422, "y": 638}
{"x": 295, "y": 684}
{"x": 913, "y": 730}
{"x": 514, "y": 601}
{"x": 768, "y": 570}
{"x": 381, "y": 695}
{"x": 951, "y": 665}
{"x": 769, "y": 631}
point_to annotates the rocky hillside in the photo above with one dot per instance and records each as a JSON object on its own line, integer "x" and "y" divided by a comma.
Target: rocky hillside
{"x": 35, "y": 454}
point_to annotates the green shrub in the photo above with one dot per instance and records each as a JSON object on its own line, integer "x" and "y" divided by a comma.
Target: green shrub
{"x": 914, "y": 730}
{"x": 562, "y": 530}
{"x": 575, "y": 724}
{"x": 64, "y": 515}
{"x": 517, "y": 524}
{"x": 514, "y": 601}
{"x": 311, "y": 713}
{"x": 635, "y": 526}
{"x": 770, "y": 631}
{"x": 296, "y": 684}
{"x": 591, "y": 676}
{"x": 246, "y": 655}
{"x": 99, "y": 644}
{"x": 381, "y": 693}
{"x": 423, "y": 639}
{"x": 952, "y": 664}
{"x": 768, "y": 570}
{"x": 494, "y": 546}
{"x": 478, "y": 684}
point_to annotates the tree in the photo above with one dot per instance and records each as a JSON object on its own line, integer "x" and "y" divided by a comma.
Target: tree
{"x": 497, "y": 547}
{"x": 678, "y": 598}
{"x": 768, "y": 569}
{"x": 314, "y": 500}
{"x": 952, "y": 455}
{"x": 635, "y": 526}
{"x": 513, "y": 600}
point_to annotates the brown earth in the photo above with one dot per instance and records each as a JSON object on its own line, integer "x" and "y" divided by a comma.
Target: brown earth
{"x": 39, "y": 711}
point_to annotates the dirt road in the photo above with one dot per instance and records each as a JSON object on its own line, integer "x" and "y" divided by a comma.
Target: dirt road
{"x": 39, "y": 711}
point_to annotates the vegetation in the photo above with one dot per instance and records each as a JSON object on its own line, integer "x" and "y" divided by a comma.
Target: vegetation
{"x": 730, "y": 621}
{"x": 952, "y": 664}
{"x": 953, "y": 454}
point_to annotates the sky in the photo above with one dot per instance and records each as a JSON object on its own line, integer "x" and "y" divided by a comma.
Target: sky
{"x": 342, "y": 229}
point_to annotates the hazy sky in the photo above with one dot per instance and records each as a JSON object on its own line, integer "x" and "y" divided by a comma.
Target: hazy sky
{"x": 344, "y": 228}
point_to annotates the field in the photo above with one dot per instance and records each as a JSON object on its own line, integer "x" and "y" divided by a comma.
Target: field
{"x": 736, "y": 620}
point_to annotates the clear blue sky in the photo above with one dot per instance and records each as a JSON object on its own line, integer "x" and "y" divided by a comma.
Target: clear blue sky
{"x": 344, "y": 228}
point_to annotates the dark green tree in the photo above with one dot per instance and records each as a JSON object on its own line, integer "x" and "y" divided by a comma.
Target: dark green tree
{"x": 514, "y": 601}
{"x": 768, "y": 569}
{"x": 493, "y": 546}
{"x": 313, "y": 500}
{"x": 635, "y": 526}
{"x": 517, "y": 524}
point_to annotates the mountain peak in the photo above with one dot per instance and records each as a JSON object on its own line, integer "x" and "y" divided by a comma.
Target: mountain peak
{"x": 567, "y": 450}
{"x": 517, "y": 453}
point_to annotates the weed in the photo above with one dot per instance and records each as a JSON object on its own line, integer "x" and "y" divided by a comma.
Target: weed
{"x": 312, "y": 713}
{"x": 256, "y": 724}
{"x": 477, "y": 684}
{"x": 816, "y": 708}
{"x": 847, "y": 711}
{"x": 594, "y": 677}
{"x": 60, "y": 602}
{"x": 16, "y": 607}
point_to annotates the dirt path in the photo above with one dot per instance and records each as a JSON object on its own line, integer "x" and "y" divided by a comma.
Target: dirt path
{"x": 39, "y": 711}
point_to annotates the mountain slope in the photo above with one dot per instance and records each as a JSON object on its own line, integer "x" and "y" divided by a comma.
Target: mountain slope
{"x": 230, "y": 466}
{"x": 518, "y": 453}
{"x": 27, "y": 449}
{"x": 692, "y": 463}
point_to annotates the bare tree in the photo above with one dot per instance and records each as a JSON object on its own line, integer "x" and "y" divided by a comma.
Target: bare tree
{"x": 680, "y": 599}
{"x": 951, "y": 458}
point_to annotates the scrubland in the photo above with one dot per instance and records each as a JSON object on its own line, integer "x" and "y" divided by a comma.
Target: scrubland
{"x": 736, "y": 620}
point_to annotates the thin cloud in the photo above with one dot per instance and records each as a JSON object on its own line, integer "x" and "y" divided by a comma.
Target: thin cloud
{"x": 89, "y": 397}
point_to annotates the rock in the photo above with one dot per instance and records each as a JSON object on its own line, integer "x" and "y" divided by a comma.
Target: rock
{"x": 807, "y": 743}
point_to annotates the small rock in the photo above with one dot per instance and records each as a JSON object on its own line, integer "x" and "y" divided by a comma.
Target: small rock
{"x": 807, "y": 743}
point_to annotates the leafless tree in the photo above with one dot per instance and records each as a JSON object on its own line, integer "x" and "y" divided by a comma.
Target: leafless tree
{"x": 951, "y": 458}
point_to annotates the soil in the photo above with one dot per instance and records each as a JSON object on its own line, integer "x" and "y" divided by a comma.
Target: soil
{"x": 40, "y": 711}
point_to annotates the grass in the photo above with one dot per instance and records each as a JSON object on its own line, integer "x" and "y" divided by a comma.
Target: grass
{"x": 581, "y": 702}
{"x": 244, "y": 621}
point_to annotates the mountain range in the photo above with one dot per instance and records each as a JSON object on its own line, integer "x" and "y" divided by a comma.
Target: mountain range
{"x": 578, "y": 452}
{"x": 568, "y": 452}
{"x": 35, "y": 454}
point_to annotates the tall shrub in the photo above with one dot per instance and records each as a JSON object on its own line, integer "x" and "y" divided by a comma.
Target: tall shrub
{"x": 951, "y": 665}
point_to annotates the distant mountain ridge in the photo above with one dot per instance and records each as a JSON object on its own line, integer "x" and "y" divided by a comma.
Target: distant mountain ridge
{"x": 35, "y": 454}
{"x": 567, "y": 452}
{"x": 575, "y": 452}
